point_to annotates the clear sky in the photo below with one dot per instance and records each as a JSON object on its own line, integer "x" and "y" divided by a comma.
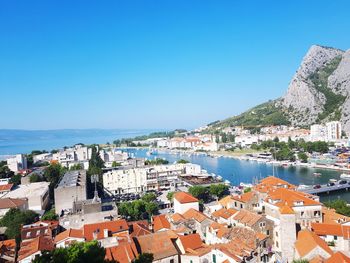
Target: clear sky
{"x": 153, "y": 64}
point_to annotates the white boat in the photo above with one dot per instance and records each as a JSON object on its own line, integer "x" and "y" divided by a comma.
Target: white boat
{"x": 345, "y": 176}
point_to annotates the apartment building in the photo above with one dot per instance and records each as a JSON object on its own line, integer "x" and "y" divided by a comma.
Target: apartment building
{"x": 138, "y": 180}
{"x": 78, "y": 154}
{"x": 17, "y": 163}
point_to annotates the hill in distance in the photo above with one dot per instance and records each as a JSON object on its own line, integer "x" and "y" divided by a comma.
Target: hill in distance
{"x": 318, "y": 92}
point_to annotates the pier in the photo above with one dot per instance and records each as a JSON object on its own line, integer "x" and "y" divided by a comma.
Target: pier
{"x": 326, "y": 188}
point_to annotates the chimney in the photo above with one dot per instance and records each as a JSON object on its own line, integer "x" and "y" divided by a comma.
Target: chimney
{"x": 105, "y": 233}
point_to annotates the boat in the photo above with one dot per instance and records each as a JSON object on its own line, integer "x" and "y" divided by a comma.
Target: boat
{"x": 317, "y": 174}
{"x": 345, "y": 176}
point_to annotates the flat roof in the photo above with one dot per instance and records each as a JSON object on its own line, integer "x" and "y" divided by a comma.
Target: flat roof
{"x": 73, "y": 178}
{"x": 28, "y": 190}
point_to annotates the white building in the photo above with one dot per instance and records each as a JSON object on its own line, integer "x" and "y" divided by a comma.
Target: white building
{"x": 184, "y": 201}
{"x": 113, "y": 155}
{"x": 318, "y": 132}
{"x": 333, "y": 130}
{"x": 17, "y": 163}
{"x": 138, "y": 180}
{"x": 36, "y": 193}
{"x": 44, "y": 157}
{"x": 71, "y": 156}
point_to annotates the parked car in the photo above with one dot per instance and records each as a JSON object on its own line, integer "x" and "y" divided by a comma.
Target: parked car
{"x": 317, "y": 186}
{"x": 330, "y": 184}
{"x": 343, "y": 182}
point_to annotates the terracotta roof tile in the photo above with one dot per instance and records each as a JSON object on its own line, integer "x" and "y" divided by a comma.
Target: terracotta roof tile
{"x": 69, "y": 233}
{"x": 11, "y": 202}
{"x": 125, "y": 252}
{"x": 338, "y": 257}
{"x": 183, "y": 197}
{"x": 330, "y": 216}
{"x": 98, "y": 228}
{"x": 224, "y": 213}
{"x": 322, "y": 229}
{"x": 308, "y": 241}
{"x": 159, "y": 244}
{"x": 6, "y": 187}
{"x": 247, "y": 217}
{"x": 30, "y": 247}
{"x": 160, "y": 222}
{"x": 192, "y": 241}
{"x": 176, "y": 218}
{"x": 194, "y": 214}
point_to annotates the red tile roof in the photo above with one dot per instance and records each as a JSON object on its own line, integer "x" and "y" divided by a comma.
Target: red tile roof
{"x": 194, "y": 214}
{"x": 308, "y": 241}
{"x": 69, "y": 233}
{"x": 6, "y": 203}
{"x": 224, "y": 213}
{"x": 160, "y": 222}
{"x": 322, "y": 229}
{"x": 183, "y": 198}
{"x": 30, "y": 247}
{"x": 192, "y": 241}
{"x": 338, "y": 257}
{"x": 139, "y": 228}
{"x": 98, "y": 228}
{"x": 125, "y": 252}
{"x": 6, "y": 187}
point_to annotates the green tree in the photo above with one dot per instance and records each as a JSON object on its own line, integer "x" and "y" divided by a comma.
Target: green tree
{"x": 170, "y": 196}
{"x": 144, "y": 258}
{"x": 149, "y": 197}
{"x": 78, "y": 252}
{"x": 302, "y": 157}
{"x": 50, "y": 215}
{"x": 34, "y": 177}
{"x": 13, "y": 220}
{"x": 5, "y": 172}
{"x": 300, "y": 261}
{"x": 95, "y": 163}
{"x": 247, "y": 190}
{"x": 16, "y": 179}
{"x": 340, "y": 206}
{"x": 151, "y": 208}
{"x": 199, "y": 192}
{"x": 218, "y": 190}
{"x": 115, "y": 164}
{"x": 76, "y": 167}
{"x": 182, "y": 161}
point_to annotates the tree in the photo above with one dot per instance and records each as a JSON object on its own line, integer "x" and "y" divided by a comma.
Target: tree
{"x": 5, "y": 172}
{"x": 170, "y": 196}
{"x": 16, "y": 179}
{"x": 182, "y": 161}
{"x": 300, "y": 261}
{"x": 138, "y": 209}
{"x": 199, "y": 192}
{"x": 115, "y": 164}
{"x": 149, "y": 197}
{"x": 13, "y": 220}
{"x": 50, "y": 215}
{"x": 53, "y": 174}
{"x": 218, "y": 190}
{"x": 302, "y": 157}
{"x": 34, "y": 177}
{"x": 247, "y": 190}
{"x": 340, "y": 206}
{"x": 144, "y": 258}
{"x": 95, "y": 163}
{"x": 76, "y": 167}
{"x": 77, "y": 252}
{"x": 151, "y": 208}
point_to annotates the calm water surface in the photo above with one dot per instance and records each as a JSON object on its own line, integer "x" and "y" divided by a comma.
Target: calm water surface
{"x": 237, "y": 171}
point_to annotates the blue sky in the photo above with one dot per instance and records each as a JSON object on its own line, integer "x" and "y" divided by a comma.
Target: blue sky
{"x": 153, "y": 64}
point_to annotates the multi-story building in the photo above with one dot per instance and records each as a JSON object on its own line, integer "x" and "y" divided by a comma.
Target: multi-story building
{"x": 333, "y": 130}
{"x": 137, "y": 180}
{"x": 17, "y": 163}
{"x": 76, "y": 155}
{"x": 318, "y": 132}
{"x": 71, "y": 188}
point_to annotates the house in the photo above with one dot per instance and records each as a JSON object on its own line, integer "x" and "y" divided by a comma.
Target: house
{"x": 106, "y": 233}
{"x": 338, "y": 257}
{"x": 160, "y": 223}
{"x": 5, "y": 188}
{"x": 7, "y": 203}
{"x": 7, "y": 250}
{"x": 247, "y": 200}
{"x": 336, "y": 235}
{"x": 40, "y": 228}
{"x": 30, "y": 248}
{"x": 184, "y": 201}
{"x": 68, "y": 237}
{"x": 330, "y": 216}
{"x": 17, "y": 163}
{"x": 197, "y": 221}
{"x": 309, "y": 246}
{"x": 224, "y": 216}
{"x": 160, "y": 244}
{"x": 139, "y": 228}
{"x": 37, "y": 195}
{"x": 124, "y": 252}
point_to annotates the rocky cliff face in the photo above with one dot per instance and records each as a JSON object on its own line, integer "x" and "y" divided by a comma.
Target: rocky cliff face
{"x": 304, "y": 101}
{"x": 318, "y": 92}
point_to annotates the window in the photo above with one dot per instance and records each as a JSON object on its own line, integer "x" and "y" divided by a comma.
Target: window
{"x": 214, "y": 258}
{"x": 276, "y": 234}
{"x": 28, "y": 234}
{"x": 267, "y": 232}
{"x": 171, "y": 261}
{"x": 335, "y": 237}
{"x": 276, "y": 243}
{"x": 241, "y": 206}
{"x": 235, "y": 204}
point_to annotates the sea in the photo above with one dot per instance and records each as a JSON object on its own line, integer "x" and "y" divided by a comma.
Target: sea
{"x": 24, "y": 141}
{"x": 242, "y": 171}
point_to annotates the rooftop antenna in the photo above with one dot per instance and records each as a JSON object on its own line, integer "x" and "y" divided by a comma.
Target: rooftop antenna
{"x": 94, "y": 179}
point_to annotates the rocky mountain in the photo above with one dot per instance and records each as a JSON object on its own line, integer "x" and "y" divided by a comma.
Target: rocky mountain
{"x": 318, "y": 92}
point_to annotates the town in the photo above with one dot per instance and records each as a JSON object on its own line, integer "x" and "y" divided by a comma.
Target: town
{"x": 133, "y": 209}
